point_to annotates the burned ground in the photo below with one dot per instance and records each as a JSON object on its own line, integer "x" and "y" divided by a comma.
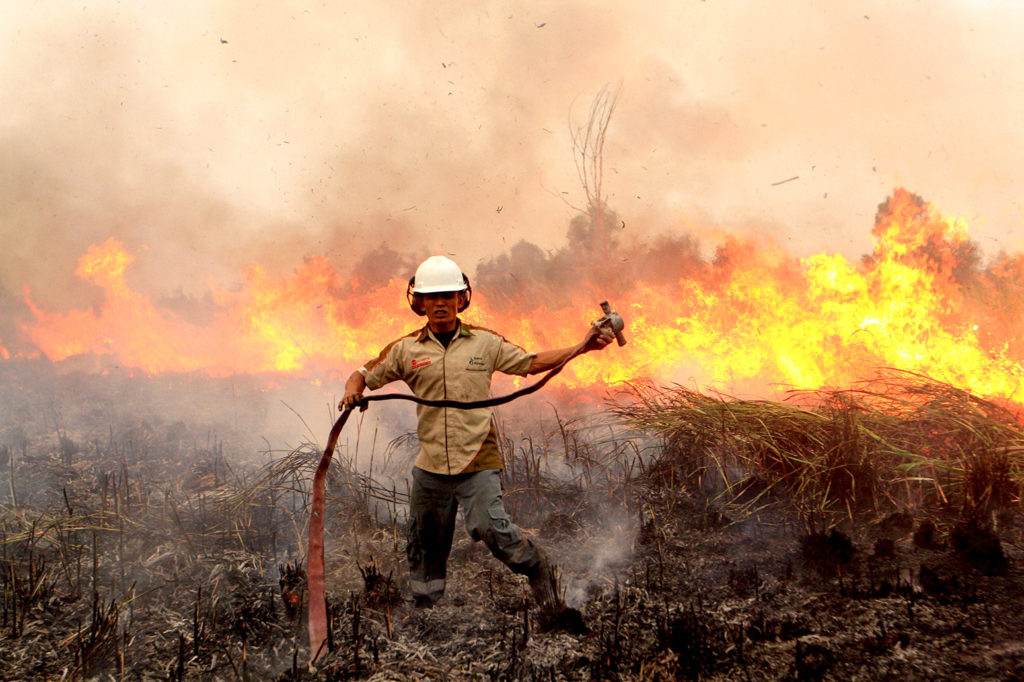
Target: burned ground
{"x": 137, "y": 549}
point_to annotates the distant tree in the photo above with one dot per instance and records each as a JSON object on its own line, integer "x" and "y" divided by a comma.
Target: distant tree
{"x": 588, "y": 154}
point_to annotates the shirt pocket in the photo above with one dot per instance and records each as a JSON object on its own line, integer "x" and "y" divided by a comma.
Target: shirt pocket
{"x": 478, "y": 363}
{"x": 475, "y": 384}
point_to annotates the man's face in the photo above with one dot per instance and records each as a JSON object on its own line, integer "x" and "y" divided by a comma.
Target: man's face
{"x": 442, "y": 310}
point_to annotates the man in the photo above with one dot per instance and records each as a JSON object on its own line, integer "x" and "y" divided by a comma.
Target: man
{"x": 459, "y": 461}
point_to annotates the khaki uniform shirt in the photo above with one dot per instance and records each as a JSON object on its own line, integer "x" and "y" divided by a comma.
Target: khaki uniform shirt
{"x": 452, "y": 441}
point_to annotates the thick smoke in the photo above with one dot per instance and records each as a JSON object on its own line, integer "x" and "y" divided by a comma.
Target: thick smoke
{"x": 11, "y": 309}
{"x": 219, "y": 135}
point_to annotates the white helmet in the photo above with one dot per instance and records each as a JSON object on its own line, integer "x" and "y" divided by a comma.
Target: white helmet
{"x": 438, "y": 274}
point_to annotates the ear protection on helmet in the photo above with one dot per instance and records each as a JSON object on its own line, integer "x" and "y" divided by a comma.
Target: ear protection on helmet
{"x": 416, "y": 300}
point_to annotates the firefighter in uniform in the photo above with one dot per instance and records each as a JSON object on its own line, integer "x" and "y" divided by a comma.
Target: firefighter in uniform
{"x": 459, "y": 461}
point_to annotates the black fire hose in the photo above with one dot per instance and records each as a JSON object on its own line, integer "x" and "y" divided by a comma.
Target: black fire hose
{"x": 315, "y": 560}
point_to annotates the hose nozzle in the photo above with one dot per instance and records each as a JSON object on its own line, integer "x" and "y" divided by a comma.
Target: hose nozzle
{"x": 611, "y": 321}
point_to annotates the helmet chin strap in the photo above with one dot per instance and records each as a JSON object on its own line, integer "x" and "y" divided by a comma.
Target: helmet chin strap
{"x": 416, "y": 299}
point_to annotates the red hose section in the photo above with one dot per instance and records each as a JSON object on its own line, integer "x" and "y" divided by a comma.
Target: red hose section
{"x": 315, "y": 561}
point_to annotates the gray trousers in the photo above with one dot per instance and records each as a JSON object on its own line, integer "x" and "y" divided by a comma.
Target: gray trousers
{"x": 432, "y": 508}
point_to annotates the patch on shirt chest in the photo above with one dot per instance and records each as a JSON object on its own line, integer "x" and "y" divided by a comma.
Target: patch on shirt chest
{"x": 420, "y": 362}
{"x": 476, "y": 363}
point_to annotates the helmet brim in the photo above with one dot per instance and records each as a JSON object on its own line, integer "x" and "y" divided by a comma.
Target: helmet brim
{"x": 437, "y": 289}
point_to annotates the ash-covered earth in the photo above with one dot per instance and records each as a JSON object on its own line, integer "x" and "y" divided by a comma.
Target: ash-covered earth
{"x": 137, "y": 545}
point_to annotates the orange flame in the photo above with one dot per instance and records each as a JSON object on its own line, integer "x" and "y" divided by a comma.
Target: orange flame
{"x": 751, "y": 319}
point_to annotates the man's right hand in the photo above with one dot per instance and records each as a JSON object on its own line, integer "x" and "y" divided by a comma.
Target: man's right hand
{"x": 354, "y": 388}
{"x": 353, "y": 400}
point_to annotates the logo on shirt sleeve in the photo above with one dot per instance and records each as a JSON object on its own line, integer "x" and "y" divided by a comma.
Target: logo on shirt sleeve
{"x": 420, "y": 362}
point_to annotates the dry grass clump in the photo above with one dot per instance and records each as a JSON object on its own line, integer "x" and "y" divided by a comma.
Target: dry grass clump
{"x": 895, "y": 441}
{"x": 554, "y": 474}
{"x": 149, "y": 554}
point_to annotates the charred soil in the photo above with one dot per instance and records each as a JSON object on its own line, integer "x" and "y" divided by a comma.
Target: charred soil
{"x": 147, "y": 552}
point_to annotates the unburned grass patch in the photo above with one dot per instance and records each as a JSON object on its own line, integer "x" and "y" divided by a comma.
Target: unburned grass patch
{"x": 897, "y": 441}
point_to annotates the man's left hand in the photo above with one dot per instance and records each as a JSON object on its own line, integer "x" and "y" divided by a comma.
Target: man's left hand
{"x": 598, "y": 338}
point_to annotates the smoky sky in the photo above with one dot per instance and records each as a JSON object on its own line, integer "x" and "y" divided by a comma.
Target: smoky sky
{"x": 208, "y": 136}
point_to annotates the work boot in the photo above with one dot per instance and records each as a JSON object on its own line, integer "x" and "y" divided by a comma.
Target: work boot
{"x": 544, "y": 585}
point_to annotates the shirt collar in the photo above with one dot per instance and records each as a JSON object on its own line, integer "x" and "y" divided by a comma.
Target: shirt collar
{"x": 425, "y": 333}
